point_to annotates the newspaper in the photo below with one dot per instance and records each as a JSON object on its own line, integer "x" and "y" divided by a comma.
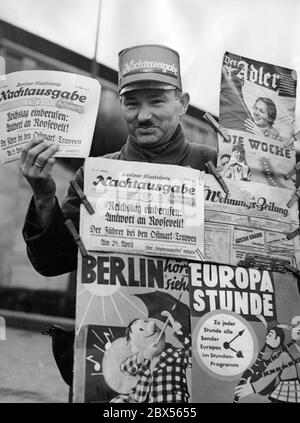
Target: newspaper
{"x": 249, "y": 225}
{"x": 257, "y": 111}
{"x": 60, "y": 107}
{"x": 246, "y": 340}
{"x": 112, "y": 291}
{"x": 143, "y": 208}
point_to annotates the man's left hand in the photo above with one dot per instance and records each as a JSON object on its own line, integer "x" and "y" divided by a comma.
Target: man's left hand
{"x": 175, "y": 325}
{"x": 244, "y": 390}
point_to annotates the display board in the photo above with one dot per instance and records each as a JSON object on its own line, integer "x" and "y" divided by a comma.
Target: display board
{"x": 188, "y": 292}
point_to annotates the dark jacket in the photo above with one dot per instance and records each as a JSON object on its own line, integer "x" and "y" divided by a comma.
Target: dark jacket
{"x": 52, "y": 251}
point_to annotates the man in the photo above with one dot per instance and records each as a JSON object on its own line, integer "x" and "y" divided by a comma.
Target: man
{"x": 225, "y": 158}
{"x": 276, "y": 370}
{"x": 153, "y": 102}
{"x": 237, "y": 168}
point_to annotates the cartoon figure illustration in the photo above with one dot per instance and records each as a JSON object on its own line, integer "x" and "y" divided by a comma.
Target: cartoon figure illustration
{"x": 264, "y": 116}
{"x": 160, "y": 366}
{"x": 237, "y": 167}
{"x": 276, "y": 371}
{"x": 288, "y": 388}
{"x": 224, "y": 160}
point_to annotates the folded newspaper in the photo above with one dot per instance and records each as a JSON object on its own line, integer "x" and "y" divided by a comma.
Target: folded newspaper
{"x": 143, "y": 209}
{"x": 249, "y": 226}
{"x": 60, "y": 107}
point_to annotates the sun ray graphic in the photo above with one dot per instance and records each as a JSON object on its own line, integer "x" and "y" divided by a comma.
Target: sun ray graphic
{"x": 103, "y": 308}
{"x": 117, "y": 310}
{"x": 82, "y": 291}
{"x": 85, "y": 313}
{"x": 131, "y": 303}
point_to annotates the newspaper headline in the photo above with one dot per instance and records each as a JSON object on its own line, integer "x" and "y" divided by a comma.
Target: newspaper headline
{"x": 143, "y": 211}
{"x": 59, "y": 107}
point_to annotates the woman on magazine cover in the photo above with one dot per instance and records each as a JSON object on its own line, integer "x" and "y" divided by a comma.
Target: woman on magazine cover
{"x": 264, "y": 116}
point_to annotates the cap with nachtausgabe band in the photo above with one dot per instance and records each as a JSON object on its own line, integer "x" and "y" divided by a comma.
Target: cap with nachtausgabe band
{"x": 140, "y": 65}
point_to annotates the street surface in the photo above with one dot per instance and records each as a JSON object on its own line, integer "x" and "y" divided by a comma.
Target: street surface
{"x": 28, "y": 372}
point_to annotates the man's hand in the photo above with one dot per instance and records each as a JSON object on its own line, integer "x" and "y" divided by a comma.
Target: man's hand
{"x": 36, "y": 165}
{"x": 176, "y": 326}
{"x": 244, "y": 390}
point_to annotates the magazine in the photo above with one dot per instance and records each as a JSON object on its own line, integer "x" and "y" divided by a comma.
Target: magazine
{"x": 257, "y": 112}
{"x": 132, "y": 318}
{"x": 246, "y": 340}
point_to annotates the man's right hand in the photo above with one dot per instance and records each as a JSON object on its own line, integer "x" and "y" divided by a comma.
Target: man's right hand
{"x": 36, "y": 165}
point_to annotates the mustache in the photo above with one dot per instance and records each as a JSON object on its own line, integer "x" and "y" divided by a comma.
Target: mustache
{"x": 144, "y": 125}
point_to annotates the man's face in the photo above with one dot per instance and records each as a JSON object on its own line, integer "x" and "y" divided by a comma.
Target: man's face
{"x": 152, "y": 115}
{"x": 225, "y": 160}
{"x": 240, "y": 155}
{"x": 272, "y": 340}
